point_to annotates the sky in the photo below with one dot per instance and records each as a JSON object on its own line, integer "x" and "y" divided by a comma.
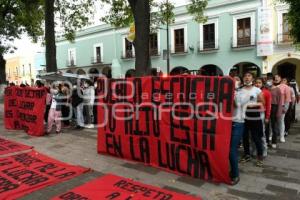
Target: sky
{"x": 25, "y": 47}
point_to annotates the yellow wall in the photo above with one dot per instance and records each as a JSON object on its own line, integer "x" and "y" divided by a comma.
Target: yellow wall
{"x": 18, "y": 70}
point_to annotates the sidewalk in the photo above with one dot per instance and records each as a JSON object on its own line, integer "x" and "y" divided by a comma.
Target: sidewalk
{"x": 278, "y": 180}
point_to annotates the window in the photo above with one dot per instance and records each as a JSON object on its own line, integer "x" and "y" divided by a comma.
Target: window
{"x": 153, "y": 44}
{"x": 244, "y": 32}
{"x": 285, "y": 28}
{"x": 128, "y": 49}
{"x": 98, "y": 54}
{"x": 72, "y": 57}
{"x": 209, "y": 36}
{"x": 179, "y": 40}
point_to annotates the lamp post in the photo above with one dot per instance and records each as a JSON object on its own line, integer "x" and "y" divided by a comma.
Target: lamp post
{"x": 168, "y": 42}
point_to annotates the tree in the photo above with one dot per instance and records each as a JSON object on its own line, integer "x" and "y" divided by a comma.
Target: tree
{"x": 294, "y": 19}
{"x": 73, "y": 15}
{"x": 147, "y": 14}
{"x": 17, "y": 18}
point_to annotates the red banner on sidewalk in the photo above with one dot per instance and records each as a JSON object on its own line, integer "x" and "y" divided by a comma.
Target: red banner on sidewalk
{"x": 28, "y": 172}
{"x": 7, "y": 146}
{"x": 24, "y": 109}
{"x": 181, "y": 124}
{"x": 119, "y": 188}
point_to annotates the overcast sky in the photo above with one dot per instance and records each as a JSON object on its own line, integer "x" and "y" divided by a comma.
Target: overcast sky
{"x": 26, "y": 47}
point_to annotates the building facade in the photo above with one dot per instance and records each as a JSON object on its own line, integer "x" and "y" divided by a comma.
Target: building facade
{"x": 20, "y": 70}
{"x": 228, "y": 40}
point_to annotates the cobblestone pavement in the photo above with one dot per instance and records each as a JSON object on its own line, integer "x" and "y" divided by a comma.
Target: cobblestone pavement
{"x": 279, "y": 179}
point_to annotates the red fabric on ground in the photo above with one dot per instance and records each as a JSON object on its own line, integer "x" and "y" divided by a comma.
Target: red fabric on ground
{"x": 117, "y": 188}
{"x": 7, "y": 146}
{"x": 25, "y": 173}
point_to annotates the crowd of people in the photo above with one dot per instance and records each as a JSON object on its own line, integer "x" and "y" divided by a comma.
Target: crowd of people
{"x": 264, "y": 111}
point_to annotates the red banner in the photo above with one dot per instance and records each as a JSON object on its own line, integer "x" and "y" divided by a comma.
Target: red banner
{"x": 10, "y": 108}
{"x": 28, "y": 172}
{"x": 24, "y": 109}
{"x": 119, "y": 188}
{"x": 7, "y": 146}
{"x": 181, "y": 124}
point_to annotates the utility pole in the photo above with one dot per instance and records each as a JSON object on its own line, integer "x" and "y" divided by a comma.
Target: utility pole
{"x": 168, "y": 40}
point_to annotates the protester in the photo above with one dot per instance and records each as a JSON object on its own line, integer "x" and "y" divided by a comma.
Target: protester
{"x": 285, "y": 101}
{"x": 48, "y": 104}
{"x": 240, "y": 100}
{"x": 266, "y": 111}
{"x": 66, "y": 105}
{"x": 294, "y": 85}
{"x": 253, "y": 122}
{"x": 272, "y": 130}
{"x": 77, "y": 103}
{"x": 88, "y": 100}
{"x": 288, "y": 117}
{"x": 55, "y": 109}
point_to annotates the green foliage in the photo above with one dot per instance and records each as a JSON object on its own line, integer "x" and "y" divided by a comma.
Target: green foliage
{"x": 74, "y": 15}
{"x": 294, "y": 19}
{"x": 18, "y": 17}
{"x": 196, "y": 8}
{"x": 120, "y": 14}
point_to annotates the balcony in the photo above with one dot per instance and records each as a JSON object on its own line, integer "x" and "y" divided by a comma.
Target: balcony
{"x": 284, "y": 38}
{"x": 71, "y": 63}
{"x": 243, "y": 43}
{"x": 179, "y": 50}
{"x": 208, "y": 46}
{"x": 128, "y": 54}
{"x": 96, "y": 60}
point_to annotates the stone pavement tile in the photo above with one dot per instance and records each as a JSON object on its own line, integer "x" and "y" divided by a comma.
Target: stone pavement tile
{"x": 173, "y": 189}
{"x": 51, "y": 191}
{"x": 140, "y": 167}
{"x": 253, "y": 195}
{"x": 282, "y": 190}
{"x": 191, "y": 181}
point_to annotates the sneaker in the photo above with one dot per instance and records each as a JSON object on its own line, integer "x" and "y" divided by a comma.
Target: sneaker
{"x": 259, "y": 163}
{"x": 245, "y": 159}
{"x": 235, "y": 180}
{"x": 282, "y": 140}
{"x": 79, "y": 128}
{"x": 89, "y": 126}
{"x": 274, "y": 146}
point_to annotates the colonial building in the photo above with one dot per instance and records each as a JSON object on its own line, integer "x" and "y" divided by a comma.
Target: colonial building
{"x": 228, "y": 40}
{"x": 20, "y": 70}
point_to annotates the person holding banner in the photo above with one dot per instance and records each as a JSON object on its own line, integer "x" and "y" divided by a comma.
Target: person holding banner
{"x": 238, "y": 125}
{"x": 55, "y": 109}
{"x": 253, "y": 121}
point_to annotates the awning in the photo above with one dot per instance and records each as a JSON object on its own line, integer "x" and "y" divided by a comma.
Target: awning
{"x": 61, "y": 76}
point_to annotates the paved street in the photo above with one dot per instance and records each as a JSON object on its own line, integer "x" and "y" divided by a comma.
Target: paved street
{"x": 279, "y": 179}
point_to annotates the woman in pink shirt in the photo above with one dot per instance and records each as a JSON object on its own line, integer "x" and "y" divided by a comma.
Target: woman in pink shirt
{"x": 286, "y": 99}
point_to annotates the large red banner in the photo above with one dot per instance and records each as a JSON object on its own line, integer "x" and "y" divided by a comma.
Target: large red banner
{"x": 181, "y": 124}
{"x": 119, "y": 188}
{"x": 7, "y": 146}
{"x": 24, "y": 109}
{"x": 28, "y": 172}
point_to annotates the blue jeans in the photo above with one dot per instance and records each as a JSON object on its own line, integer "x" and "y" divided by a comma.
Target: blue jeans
{"x": 236, "y": 137}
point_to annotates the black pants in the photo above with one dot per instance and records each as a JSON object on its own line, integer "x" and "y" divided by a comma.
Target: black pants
{"x": 65, "y": 111}
{"x": 255, "y": 128}
{"x": 46, "y": 113}
{"x": 274, "y": 124}
{"x": 288, "y": 118}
